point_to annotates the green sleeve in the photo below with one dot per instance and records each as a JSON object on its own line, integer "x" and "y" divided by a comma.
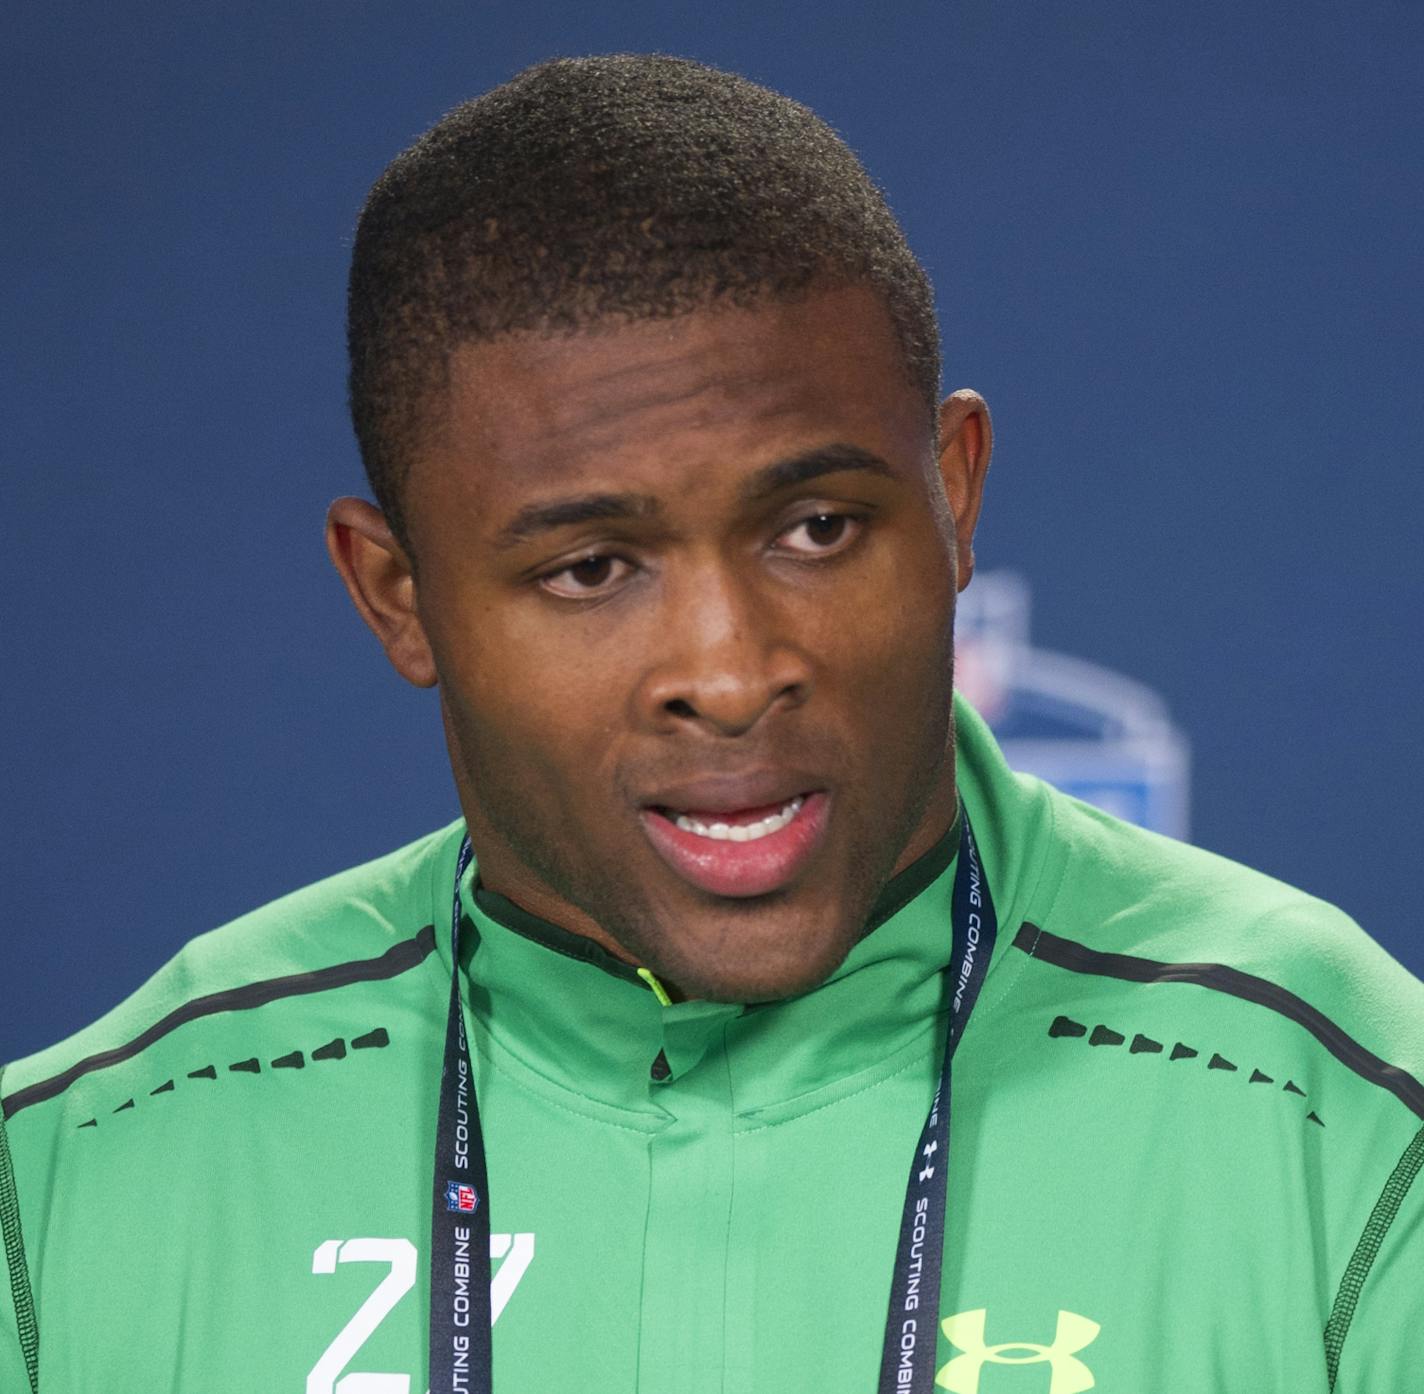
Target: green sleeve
{"x": 18, "y": 1337}
{"x": 1376, "y": 1331}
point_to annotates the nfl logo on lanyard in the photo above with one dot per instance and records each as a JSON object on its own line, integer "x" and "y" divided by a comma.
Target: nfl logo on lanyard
{"x": 459, "y": 1196}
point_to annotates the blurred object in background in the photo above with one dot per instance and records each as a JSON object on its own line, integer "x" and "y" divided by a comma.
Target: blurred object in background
{"x": 1092, "y": 733}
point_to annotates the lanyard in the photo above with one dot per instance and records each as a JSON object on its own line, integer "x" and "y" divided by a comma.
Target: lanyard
{"x": 460, "y": 1316}
{"x": 907, "y": 1358}
{"x": 460, "y": 1344}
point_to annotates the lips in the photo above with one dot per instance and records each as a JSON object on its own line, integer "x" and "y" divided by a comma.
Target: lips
{"x": 737, "y": 837}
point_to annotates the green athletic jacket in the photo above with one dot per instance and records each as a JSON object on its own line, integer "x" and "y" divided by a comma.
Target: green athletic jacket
{"x": 1186, "y": 1123}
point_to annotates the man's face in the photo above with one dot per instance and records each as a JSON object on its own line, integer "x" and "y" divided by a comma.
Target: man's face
{"x": 688, "y": 589}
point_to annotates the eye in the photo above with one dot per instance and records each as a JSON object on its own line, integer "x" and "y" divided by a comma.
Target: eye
{"x": 822, "y": 533}
{"x": 592, "y": 575}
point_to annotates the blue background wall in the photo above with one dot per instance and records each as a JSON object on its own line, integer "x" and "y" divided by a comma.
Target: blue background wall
{"x": 1177, "y": 247}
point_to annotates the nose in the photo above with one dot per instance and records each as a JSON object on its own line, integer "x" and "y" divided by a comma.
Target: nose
{"x": 726, "y": 657}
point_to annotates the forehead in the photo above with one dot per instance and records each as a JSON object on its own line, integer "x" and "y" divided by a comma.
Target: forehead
{"x": 712, "y": 393}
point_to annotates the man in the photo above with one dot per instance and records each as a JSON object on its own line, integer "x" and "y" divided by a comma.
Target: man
{"x": 646, "y": 380}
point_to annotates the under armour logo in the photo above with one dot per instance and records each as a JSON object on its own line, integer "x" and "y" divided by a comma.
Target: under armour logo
{"x": 965, "y": 1330}
{"x": 929, "y": 1149}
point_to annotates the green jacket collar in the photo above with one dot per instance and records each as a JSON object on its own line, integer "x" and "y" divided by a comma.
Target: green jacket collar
{"x": 581, "y": 1021}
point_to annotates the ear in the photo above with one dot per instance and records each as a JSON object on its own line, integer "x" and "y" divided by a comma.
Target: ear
{"x": 381, "y": 583}
{"x": 966, "y": 440}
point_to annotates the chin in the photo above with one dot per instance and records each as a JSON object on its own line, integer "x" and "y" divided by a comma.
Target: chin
{"x": 786, "y": 966}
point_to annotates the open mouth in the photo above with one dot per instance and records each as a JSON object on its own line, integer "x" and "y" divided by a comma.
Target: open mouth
{"x": 740, "y": 852}
{"x": 748, "y": 825}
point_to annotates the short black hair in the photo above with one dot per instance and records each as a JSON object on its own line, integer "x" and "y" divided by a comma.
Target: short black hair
{"x": 630, "y": 185}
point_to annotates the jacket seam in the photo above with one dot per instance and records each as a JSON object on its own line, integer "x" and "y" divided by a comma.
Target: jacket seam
{"x": 558, "y": 1096}
{"x": 22, "y": 1296}
{"x": 1357, "y": 1271}
{"x": 836, "y": 1102}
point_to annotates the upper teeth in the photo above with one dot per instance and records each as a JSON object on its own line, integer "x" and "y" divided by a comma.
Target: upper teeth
{"x": 742, "y": 832}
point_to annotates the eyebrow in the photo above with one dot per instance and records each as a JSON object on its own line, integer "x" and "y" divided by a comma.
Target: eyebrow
{"x": 537, "y": 518}
{"x": 582, "y": 508}
{"x": 810, "y": 464}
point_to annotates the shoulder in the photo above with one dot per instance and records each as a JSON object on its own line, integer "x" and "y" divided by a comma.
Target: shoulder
{"x": 366, "y": 920}
{"x": 1174, "y": 912}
